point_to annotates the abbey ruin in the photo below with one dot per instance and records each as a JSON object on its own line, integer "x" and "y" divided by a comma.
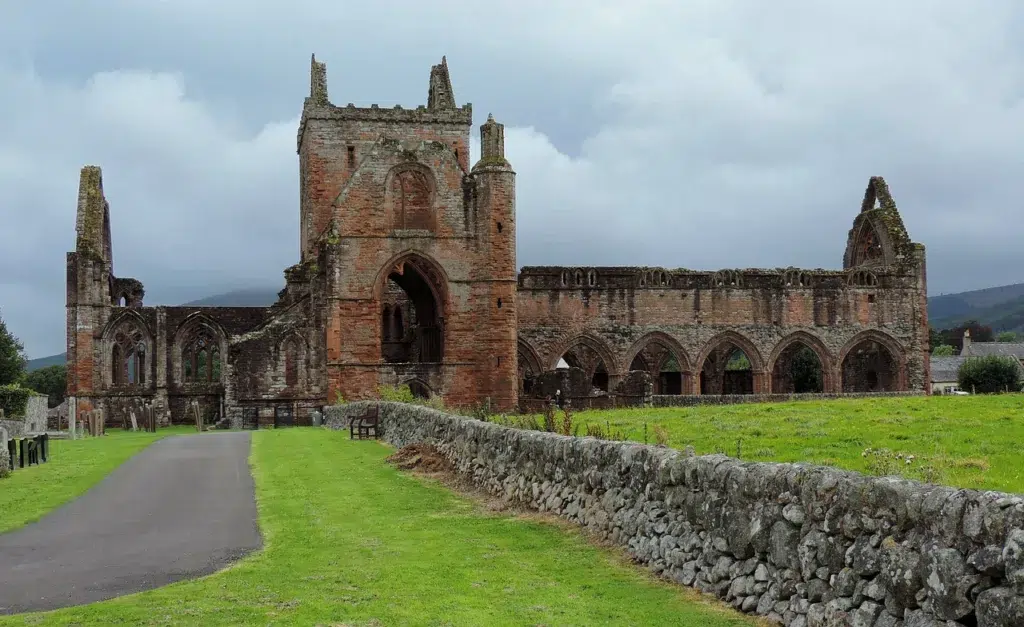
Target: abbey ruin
{"x": 407, "y": 275}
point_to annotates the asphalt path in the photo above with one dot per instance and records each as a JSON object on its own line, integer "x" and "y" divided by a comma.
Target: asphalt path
{"x": 181, "y": 508}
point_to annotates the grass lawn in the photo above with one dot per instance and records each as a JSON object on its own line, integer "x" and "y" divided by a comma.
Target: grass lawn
{"x": 74, "y": 466}
{"x": 964, "y": 441}
{"x": 349, "y": 540}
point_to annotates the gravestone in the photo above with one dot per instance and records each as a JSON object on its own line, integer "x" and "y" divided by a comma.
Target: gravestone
{"x": 135, "y": 423}
{"x": 5, "y": 455}
{"x": 194, "y": 405}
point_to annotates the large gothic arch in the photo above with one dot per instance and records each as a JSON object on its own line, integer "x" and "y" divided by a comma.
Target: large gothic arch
{"x": 425, "y": 283}
{"x": 894, "y": 350}
{"x": 667, "y": 347}
{"x": 815, "y": 344}
{"x": 714, "y": 346}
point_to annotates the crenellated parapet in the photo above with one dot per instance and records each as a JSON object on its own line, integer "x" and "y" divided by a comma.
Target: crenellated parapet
{"x": 439, "y": 110}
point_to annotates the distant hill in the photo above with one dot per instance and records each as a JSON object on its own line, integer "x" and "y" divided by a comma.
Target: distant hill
{"x": 45, "y": 362}
{"x": 254, "y": 297}
{"x": 1001, "y": 308}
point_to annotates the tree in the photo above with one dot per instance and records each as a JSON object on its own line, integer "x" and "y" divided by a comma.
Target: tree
{"x": 944, "y": 350}
{"x": 12, "y": 356}
{"x": 806, "y": 370}
{"x": 51, "y": 381}
{"x": 955, "y": 336}
{"x": 990, "y": 374}
{"x": 1006, "y": 336}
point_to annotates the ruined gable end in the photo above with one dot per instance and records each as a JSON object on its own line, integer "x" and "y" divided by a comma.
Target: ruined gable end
{"x": 878, "y": 236}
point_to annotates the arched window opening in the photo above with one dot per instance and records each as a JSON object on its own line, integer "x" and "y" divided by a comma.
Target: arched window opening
{"x": 727, "y": 370}
{"x": 415, "y": 328}
{"x": 870, "y": 367}
{"x": 291, "y": 363}
{"x": 410, "y": 190}
{"x": 419, "y": 389}
{"x": 200, "y": 355}
{"x": 798, "y": 370}
{"x": 128, "y": 356}
{"x": 122, "y": 301}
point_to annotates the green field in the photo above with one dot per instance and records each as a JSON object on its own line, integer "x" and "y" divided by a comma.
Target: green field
{"x": 74, "y": 466}
{"x": 351, "y": 541}
{"x": 963, "y": 441}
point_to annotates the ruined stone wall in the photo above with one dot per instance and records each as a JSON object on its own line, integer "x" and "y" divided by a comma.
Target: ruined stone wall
{"x": 278, "y": 364}
{"x": 693, "y": 315}
{"x": 803, "y": 545}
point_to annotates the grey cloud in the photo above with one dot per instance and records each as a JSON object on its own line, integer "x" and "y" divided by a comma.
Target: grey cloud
{"x": 707, "y": 135}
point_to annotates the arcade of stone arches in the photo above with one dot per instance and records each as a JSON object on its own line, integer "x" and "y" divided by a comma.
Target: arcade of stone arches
{"x": 728, "y": 364}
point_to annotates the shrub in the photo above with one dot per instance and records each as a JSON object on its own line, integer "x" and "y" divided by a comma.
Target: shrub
{"x": 14, "y": 399}
{"x": 403, "y": 394}
{"x": 990, "y": 374}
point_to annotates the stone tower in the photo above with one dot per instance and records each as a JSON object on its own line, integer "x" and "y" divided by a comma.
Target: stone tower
{"x": 416, "y": 250}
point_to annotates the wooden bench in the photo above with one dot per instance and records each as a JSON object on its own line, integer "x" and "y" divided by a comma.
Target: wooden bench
{"x": 364, "y": 426}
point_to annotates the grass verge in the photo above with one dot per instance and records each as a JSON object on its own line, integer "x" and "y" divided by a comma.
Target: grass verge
{"x": 74, "y": 466}
{"x": 350, "y": 540}
{"x": 963, "y": 441}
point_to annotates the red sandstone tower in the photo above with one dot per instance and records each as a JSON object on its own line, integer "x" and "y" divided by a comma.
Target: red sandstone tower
{"x": 415, "y": 250}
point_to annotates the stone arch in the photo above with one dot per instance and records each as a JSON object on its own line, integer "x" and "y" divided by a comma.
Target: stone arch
{"x": 715, "y": 355}
{"x": 200, "y": 350}
{"x": 419, "y": 388}
{"x": 425, "y": 285}
{"x": 664, "y": 383}
{"x": 292, "y": 354}
{"x": 410, "y": 193}
{"x": 127, "y": 347}
{"x": 591, "y": 354}
{"x": 529, "y": 364}
{"x": 867, "y": 372}
{"x": 815, "y": 344}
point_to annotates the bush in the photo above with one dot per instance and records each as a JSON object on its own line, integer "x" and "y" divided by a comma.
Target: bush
{"x": 14, "y": 399}
{"x": 403, "y": 394}
{"x": 990, "y": 374}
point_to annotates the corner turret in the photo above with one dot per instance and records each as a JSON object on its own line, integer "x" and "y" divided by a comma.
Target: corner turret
{"x": 492, "y": 145}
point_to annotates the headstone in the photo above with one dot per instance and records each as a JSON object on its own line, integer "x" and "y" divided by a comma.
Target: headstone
{"x": 197, "y": 416}
{"x": 72, "y": 416}
{"x": 5, "y": 456}
{"x": 135, "y": 423}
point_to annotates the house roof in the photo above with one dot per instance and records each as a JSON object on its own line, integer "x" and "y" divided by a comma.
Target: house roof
{"x": 946, "y": 369}
{"x": 983, "y": 349}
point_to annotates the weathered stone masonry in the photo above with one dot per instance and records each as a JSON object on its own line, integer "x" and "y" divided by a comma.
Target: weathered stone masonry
{"x": 800, "y": 544}
{"x": 407, "y": 274}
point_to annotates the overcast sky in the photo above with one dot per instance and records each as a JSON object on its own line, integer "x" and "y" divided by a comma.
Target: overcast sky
{"x": 704, "y": 134}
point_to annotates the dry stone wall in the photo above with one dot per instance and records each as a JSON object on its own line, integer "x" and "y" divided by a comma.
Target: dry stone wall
{"x": 799, "y": 544}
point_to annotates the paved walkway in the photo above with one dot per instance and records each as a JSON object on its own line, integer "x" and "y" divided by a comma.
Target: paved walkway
{"x": 183, "y": 507}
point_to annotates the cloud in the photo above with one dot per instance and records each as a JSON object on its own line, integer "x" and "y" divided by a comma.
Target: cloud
{"x": 712, "y": 134}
